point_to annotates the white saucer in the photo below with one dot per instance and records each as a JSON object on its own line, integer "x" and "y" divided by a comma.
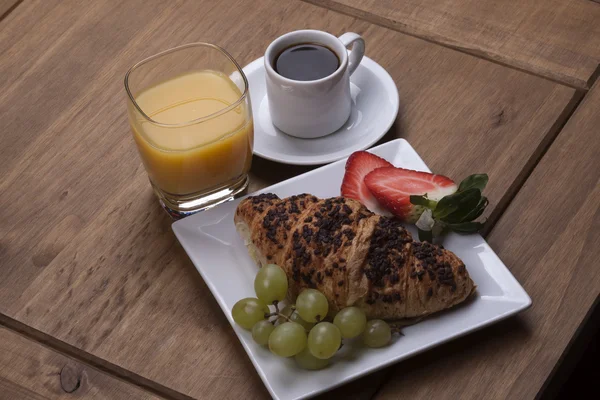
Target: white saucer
{"x": 374, "y": 109}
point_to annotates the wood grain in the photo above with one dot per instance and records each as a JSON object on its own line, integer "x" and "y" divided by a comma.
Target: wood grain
{"x": 549, "y": 239}
{"x": 29, "y": 370}
{"x": 557, "y": 39}
{"x": 5, "y": 7}
{"x": 88, "y": 256}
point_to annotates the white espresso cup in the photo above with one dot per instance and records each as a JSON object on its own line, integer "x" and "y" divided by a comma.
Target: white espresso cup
{"x": 311, "y": 109}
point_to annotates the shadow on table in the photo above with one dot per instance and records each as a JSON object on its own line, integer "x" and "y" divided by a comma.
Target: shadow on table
{"x": 265, "y": 173}
{"x": 507, "y": 334}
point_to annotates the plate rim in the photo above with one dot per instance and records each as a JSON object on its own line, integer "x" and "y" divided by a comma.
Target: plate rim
{"x": 368, "y": 63}
{"x": 522, "y": 301}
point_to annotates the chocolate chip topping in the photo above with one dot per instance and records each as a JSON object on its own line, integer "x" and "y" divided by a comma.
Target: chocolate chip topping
{"x": 264, "y": 198}
{"x": 319, "y": 277}
{"x": 329, "y": 230}
{"x": 386, "y": 251}
{"x": 281, "y": 214}
{"x": 433, "y": 264}
{"x": 274, "y": 219}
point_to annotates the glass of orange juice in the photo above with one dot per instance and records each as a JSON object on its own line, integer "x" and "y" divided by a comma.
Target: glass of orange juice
{"x": 191, "y": 119}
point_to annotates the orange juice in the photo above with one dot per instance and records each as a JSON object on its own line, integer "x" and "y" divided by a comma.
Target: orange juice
{"x": 184, "y": 157}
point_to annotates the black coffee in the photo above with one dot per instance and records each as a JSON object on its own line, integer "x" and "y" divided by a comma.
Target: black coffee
{"x": 306, "y": 62}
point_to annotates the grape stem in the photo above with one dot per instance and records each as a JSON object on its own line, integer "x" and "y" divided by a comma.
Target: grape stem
{"x": 278, "y": 314}
{"x": 276, "y": 304}
{"x": 397, "y": 330}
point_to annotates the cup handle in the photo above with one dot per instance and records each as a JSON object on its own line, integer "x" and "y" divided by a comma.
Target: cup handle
{"x": 358, "y": 49}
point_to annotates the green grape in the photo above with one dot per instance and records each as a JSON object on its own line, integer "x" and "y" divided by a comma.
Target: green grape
{"x": 324, "y": 340}
{"x": 377, "y": 333}
{"x": 294, "y": 317}
{"x": 261, "y": 332}
{"x": 248, "y": 312}
{"x": 312, "y": 305}
{"x": 307, "y": 361}
{"x": 351, "y": 321}
{"x": 287, "y": 339}
{"x": 271, "y": 284}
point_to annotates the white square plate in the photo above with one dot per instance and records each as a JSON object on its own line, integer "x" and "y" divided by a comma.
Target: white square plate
{"x": 213, "y": 245}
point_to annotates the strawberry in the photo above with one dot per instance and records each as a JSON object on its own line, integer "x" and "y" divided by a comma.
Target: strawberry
{"x": 359, "y": 164}
{"x": 392, "y": 187}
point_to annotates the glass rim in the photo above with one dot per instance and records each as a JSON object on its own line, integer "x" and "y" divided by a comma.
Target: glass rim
{"x": 197, "y": 120}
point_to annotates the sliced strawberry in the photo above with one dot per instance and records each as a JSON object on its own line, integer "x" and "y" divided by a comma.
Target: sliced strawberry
{"x": 359, "y": 164}
{"x": 392, "y": 187}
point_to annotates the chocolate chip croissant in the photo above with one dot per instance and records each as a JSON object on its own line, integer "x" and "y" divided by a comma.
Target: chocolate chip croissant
{"x": 353, "y": 256}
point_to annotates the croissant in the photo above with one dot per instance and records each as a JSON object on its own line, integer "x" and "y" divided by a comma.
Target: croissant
{"x": 353, "y": 256}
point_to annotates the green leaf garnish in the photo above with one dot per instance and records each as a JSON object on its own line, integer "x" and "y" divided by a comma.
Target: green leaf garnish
{"x": 423, "y": 201}
{"x": 465, "y": 202}
{"x": 457, "y": 204}
{"x": 446, "y": 206}
{"x": 477, "y": 211}
{"x": 477, "y": 181}
{"x": 456, "y": 212}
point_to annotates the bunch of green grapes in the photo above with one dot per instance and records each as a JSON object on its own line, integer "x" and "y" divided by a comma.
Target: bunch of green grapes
{"x": 302, "y": 330}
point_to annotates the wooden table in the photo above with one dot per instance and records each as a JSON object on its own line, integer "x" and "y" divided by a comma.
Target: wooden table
{"x": 97, "y": 298}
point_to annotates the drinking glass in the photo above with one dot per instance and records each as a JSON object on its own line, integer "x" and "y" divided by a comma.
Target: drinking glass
{"x": 191, "y": 118}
